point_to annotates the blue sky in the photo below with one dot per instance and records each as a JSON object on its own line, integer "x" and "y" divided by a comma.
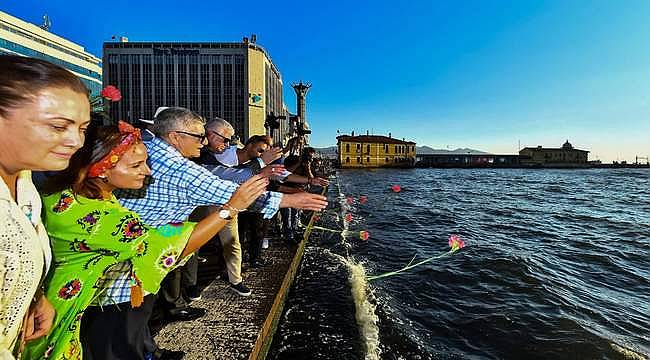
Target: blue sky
{"x": 479, "y": 74}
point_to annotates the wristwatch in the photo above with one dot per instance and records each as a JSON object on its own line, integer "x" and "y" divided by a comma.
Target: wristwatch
{"x": 225, "y": 214}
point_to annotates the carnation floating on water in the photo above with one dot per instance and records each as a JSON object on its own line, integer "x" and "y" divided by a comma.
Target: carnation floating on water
{"x": 396, "y": 188}
{"x": 364, "y": 235}
{"x": 350, "y": 200}
{"x": 455, "y": 243}
{"x": 348, "y": 217}
{"x": 363, "y": 199}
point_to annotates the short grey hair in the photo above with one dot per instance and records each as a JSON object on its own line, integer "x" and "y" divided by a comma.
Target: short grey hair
{"x": 175, "y": 118}
{"x": 219, "y": 123}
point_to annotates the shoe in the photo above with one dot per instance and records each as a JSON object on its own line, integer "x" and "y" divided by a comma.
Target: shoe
{"x": 187, "y": 313}
{"x": 201, "y": 259}
{"x": 193, "y": 293}
{"x": 240, "y": 289}
{"x": 164, "y": 354}
{"x": 258, "y": 263}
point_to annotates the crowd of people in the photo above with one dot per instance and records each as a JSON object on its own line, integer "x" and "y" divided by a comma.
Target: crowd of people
{"x": 101, "y": 224}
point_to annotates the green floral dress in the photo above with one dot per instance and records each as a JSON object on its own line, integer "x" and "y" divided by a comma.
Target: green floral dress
{"x": 88, "y": 237}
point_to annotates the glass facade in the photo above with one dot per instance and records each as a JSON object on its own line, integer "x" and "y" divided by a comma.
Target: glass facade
{"x": 211, "y": 82}
{"x": 9, "y": 47}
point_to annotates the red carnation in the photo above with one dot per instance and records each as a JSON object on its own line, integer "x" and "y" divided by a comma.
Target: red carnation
{"x": 111, "y": 93}
{"x": 348, "y": 217}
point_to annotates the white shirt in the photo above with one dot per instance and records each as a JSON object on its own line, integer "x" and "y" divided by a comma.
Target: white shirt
{"x": 25, "y": 257}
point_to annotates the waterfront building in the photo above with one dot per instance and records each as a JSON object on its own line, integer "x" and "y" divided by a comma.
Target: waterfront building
{"x": 235, "y": 81}
{"x": 565, "y": 156}
{"x": 451, "y": 160}
{"x": 18, "y": 37}
{"x": 371, "y": 151}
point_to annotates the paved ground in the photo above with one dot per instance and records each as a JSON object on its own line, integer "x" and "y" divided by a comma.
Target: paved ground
{"x": 231, "y": 326}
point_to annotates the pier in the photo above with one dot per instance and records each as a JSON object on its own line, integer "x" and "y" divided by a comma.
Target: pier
{"x": 237, "y": 327}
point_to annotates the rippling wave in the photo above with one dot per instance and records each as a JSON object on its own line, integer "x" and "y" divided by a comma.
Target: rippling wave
{"x": 557, "y": 267}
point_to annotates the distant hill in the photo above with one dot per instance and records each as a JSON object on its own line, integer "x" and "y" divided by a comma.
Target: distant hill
{"x": 428, "y": 150}
{"x": 327, "y": 152}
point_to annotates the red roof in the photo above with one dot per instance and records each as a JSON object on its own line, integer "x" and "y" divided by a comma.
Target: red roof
{"x": 373, "y": 139}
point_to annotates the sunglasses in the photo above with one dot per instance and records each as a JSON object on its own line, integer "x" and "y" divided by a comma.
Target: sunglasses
{"x": 198, "y": 136}
{"x": 225, "y": 139}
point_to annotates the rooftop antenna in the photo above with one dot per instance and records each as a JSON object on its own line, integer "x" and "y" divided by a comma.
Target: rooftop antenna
{"x": 47, "y": 24}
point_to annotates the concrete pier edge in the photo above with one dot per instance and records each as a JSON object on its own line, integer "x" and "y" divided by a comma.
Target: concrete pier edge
{"x": 265, "y": 337}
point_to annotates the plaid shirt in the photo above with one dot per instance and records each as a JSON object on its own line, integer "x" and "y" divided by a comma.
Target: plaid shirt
{"x": 176, "y": 187}
{"x": 119, "y": 291}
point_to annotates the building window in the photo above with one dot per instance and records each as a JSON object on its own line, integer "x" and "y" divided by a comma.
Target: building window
{"x": 367, "y": 159}
{"x": 368, "y": 148}
{"x": 358, "y": 147}
{"x": 387, "y": 160}
{"x": 395, "y": 149}
{"x": 347, "y": 148}
{"x": 347, "y": 160}
{"x": 358, "y": 160}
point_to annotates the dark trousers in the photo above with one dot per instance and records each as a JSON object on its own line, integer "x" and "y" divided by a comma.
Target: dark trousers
{"x": 252, "y": 230}
{"x": 117, "y": 332}
{"x": 171, "y": 290}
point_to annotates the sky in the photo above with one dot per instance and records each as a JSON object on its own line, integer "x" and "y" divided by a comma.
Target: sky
{"x": 487, "y": 75}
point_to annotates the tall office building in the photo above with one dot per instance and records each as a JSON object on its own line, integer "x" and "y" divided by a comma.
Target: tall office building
{"x": 18, "y": 37}
{"x": 234, "y": 81}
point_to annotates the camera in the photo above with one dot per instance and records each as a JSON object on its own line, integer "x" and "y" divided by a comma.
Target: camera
{"x": 302, "y": 130}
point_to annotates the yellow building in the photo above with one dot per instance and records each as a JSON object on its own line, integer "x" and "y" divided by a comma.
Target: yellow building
{"x": 372, "y": 151}
{"x": 566, "y": 156}
{"x": 18, "y": 37}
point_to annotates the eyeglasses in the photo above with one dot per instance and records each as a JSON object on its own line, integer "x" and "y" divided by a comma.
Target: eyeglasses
{"x": 225, "y": 139}
{"x": 198, "y": 136}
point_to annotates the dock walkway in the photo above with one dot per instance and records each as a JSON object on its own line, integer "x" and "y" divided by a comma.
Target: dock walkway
{"x": 237, "y": 327}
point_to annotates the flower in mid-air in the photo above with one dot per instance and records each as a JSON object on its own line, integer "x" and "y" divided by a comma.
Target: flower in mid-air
{"x": 111, "y": 93}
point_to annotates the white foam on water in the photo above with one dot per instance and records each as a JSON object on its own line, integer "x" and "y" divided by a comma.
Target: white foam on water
{"x": 628, "y": 353}
{"x": 367, "y": 319}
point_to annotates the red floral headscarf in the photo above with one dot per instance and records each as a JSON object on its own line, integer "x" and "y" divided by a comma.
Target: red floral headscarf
{"x": 109, "y": 161}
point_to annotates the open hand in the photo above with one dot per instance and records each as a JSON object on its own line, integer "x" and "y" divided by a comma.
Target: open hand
{"x": 248, "y": 192}
{"x": 271, "y": 154}
{"x": 304, "y": 200}
{"x": 317, "y": 181}
{"x": 272, "y": 170}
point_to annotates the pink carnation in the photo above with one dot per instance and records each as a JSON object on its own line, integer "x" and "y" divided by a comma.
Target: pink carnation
{"x": 455, "y": 242}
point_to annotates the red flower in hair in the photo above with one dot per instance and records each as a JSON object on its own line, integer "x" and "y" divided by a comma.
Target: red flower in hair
{"x": 111, "y": 93}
